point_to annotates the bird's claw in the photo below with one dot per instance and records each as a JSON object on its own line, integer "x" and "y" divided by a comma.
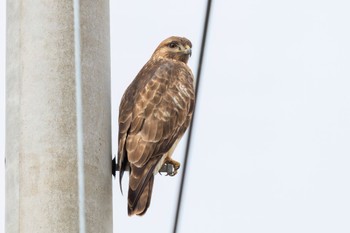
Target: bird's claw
{"x": 174, "y": 167}
{"x": 172, "y": 173}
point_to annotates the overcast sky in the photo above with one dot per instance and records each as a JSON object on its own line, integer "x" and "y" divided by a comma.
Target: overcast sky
{"x": 2, "y": 113}
{"x": 271, "y": 147}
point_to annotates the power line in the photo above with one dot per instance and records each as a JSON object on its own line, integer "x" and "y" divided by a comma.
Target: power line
{"x": 188, "y": 144}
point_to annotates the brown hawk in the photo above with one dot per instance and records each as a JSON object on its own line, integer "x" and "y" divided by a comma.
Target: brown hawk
{"x": 154, "y": 113}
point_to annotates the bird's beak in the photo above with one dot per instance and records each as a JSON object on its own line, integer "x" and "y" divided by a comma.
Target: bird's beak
{"x": 188, "y": 50}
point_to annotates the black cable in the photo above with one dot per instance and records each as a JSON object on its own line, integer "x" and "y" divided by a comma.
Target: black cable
{"x": 188, "y": 144}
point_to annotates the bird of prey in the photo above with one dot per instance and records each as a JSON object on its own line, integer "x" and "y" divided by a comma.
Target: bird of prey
{"x": 154, "y": 113}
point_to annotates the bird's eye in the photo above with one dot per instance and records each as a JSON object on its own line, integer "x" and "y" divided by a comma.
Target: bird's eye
{"x": 172, "y": 45}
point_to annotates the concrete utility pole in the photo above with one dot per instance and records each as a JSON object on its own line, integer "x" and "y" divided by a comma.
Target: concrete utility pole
{"x": 41, "y": 152}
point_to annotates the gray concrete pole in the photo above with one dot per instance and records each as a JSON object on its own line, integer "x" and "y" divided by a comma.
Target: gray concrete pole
{"x": 41, "y": 160}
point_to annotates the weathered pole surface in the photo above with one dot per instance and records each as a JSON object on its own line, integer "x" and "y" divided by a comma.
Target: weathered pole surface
{"x": 41, "y": 152}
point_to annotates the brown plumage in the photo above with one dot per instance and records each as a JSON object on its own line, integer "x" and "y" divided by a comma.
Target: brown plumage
{"x": 154, "y": 113}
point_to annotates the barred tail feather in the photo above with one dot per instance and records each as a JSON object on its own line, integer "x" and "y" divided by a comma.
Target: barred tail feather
{"x": 139, "y": 200}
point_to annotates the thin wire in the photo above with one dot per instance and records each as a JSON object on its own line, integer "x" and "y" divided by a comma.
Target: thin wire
{"x": 188, "y": 144}
{"x": 79, "y": 112}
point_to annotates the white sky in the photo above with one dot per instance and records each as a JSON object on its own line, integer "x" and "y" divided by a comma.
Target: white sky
{"x": 2, "y": 113}
{"x": 271, "y": 142}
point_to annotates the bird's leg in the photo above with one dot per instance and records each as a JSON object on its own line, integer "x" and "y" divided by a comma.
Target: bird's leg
{"x": 174, "y": 163}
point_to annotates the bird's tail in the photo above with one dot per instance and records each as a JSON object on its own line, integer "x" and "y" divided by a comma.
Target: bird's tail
{"x": 140, "y": 190}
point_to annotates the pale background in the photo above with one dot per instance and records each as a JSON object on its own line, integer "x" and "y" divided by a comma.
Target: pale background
{"x": 271, "y": 148}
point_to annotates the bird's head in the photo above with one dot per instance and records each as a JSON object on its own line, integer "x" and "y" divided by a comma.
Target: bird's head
{"x": 176, "y": 48}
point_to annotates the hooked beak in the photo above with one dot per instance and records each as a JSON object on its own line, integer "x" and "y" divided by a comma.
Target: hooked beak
{"x": 188, "y": 50}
